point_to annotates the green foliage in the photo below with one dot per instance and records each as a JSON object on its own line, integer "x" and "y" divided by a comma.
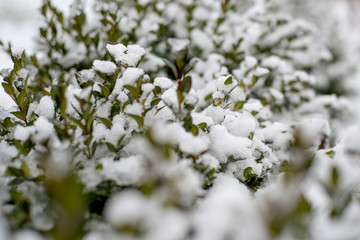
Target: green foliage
{"x": 201, "y": 101}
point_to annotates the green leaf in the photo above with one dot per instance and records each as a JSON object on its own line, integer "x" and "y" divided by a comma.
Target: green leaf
{"x": 188, "y": 67}
{"x": 195, "y": 130}
{"x": 25, "y": 105}
{"x": 89, "y": 122}
{"x": 19, "y": 115}
{"x": 248, "y": 173}
{"x": 285, "y": 166}
{"x": 7, "y": 123}
{"x": 335, "y": 177}
{"x": 105, "y": 91}
{"x": 180, "y": 96}
{"x": 208, "y": 97}
{"x": 99, "y": 166}
{"x": 25, "y": 169}
{"x": 155, "y": 102}
{"x": 138, "y": 119}
{"x": 303, "y": 206}
{"x": 239, "y": 105}
{"x": 188, "y": 123}
{"x": 331, "y": 154}
{"x": 106, "y": 122}
{"x": 186, "y": 85}
{"x": 133, "y": 90}
{"x": 254, "y": 79}
{"x": 111, "y": 147}
{"x": 202, "y": 126}
{"x": 251, "y": 136}
{"x": 9, "y": 89}
{"x": 88, "y": 140}
{"x": 20, "y": 98}
{"x": 172, "y": 67}
{"x": 115, "y": 109}
{"x": 11, "y": 171}
{"x": 228, "y": 81}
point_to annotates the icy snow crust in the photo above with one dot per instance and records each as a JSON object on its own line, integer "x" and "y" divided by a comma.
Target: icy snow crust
{"x": 240, "y": 144}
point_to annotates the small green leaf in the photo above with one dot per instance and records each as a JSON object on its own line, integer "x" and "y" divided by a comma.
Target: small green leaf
{"x": 180, "y": 96}
{"x": 335, "y": 177}
{"x": 19, "y": 115}
{"x": 20, "y": 98}
{"x": 111, "y": 147}
{"x": 99, "y": 167}
{"x": 8, "y": 89}
{"x": 106, "y": 122}
{"x": 25, "y": 105}
{"x": 331, "y": 154}
{"x": 7, "y": 123}
{"x": 138, "y": 119}
{"x": 254, "y": 79}
{"x": 11, "y": 171}
{"x": 157, "y": 90}
{"x": 105, "y": 91}
{"x": 186, "y": 85}
{"x": 285, "y": 166}
{"x": 25, "y": 169}
{"x": 251, "y": 136}
{"x": 208, "y": 97}
{"x": 247, "y": 172}
{"x": 188, "y": 67}
{"x": 202, "y": 126}
{"x": 88, "y": 140}
{"x": 239, "y": 105}
{"x": 195, "y": 130}
{"x": 155, "y": 102}
{"x": 115, "y": 109}
{"x": 89, "y": 122}
{"x": 303, "y": 206}
{"x": 133, "y": 90}
{"x": 228, "y": 81}
{"x": 188, "y": 123}
{"x": 172, "y": 67}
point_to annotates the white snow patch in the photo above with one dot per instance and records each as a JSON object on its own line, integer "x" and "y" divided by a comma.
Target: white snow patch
{"x": 106, "y": 67}
{"x": 46, "y": 107}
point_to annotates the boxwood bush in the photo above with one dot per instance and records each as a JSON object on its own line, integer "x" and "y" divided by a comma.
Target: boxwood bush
{"x": 191, "y": 119}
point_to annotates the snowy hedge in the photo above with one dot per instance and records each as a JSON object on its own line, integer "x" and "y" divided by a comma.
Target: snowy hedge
{"x": 191, "y": 119}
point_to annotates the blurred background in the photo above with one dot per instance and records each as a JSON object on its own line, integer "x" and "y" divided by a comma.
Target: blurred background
{"x": 20, "y": 19}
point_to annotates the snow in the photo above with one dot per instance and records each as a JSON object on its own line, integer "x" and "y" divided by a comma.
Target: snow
{"x": 127, "y": 171}
{"x": 312, "y": 131}
{"x": 163, "y": 82}
{"x": 46, "y": 107}
{"x": 240, "y": 126}
{"x": 131, "y": 76}
{"x": 200, "y": 39}
{"x": 176, "y": 135}
{"x": 127, "y": 208}
{"x": 23, "y": 133}
{"x": 177, "y": 183}
{"x": 129, "y": 56}
{"x": 216, "y": 215}
{"x": 27, "y": 234}
{"x": 217, "y": 114}
{"x": 260, "y": 72}
{"x": 171, "y": 99}
{"x": 106, "y": 67}
{"x": 86, "y": 75}
{"x": 178, "y": 45}
{"x": 224, "y": 145}
{"x": 44, "y": 129}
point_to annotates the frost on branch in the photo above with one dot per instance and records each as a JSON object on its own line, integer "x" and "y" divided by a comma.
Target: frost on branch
{"x": 179, "y": 120}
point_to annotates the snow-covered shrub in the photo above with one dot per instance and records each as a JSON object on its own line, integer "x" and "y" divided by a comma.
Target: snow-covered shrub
{"x": 177, "y": 120}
